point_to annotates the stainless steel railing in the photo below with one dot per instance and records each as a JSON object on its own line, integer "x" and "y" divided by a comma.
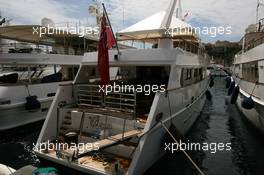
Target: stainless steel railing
{"x": 90, "y": 95}
{"x": 31, "y": 48}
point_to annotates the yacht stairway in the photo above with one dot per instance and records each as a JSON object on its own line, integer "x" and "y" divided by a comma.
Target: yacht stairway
{"x": 101, "y": 123}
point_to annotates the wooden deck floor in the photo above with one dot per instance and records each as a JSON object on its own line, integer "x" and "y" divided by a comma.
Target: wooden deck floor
{"x": 103, "y": 143}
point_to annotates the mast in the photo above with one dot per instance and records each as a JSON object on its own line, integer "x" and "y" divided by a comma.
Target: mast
{"x": 168, "y": 16}
{"x": 166, "y": 41}
{"x": 169, "y": 13}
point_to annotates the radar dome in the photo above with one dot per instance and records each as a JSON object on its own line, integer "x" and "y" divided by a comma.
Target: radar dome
{"x": 47, "y": 22}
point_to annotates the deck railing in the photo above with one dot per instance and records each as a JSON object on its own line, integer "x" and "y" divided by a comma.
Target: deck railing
{"x": 254, "y": 43}
{"x": 90, "y": 95}
{"x": 31, "y": 48}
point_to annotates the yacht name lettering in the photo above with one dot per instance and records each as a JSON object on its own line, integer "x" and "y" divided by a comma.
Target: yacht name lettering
{"x": 95, "y": 123}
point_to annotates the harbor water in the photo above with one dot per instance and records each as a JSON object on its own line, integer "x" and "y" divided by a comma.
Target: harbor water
{"x": 218, "y": 122}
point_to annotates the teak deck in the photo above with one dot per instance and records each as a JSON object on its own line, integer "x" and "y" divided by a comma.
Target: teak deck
{"x": 106, "y": 142}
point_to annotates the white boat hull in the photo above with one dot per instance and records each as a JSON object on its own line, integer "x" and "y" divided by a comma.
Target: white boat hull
{"x": 19, "y": 116}
{"x": 153, "y": 141}
{"x": 183, "y": 121}
{"x": 6, "y": 170}
{"x": 150, "y": 148}
{"x": 14, "y": 114}
{"x": 248, "y": 87}
{"x": 254, "y": 116}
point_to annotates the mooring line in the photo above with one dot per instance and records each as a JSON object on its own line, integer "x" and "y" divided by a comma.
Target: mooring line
{"x": 186, "y": 154}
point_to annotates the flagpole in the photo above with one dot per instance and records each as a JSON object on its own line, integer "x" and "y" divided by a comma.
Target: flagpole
{"x": 119, "y": 53}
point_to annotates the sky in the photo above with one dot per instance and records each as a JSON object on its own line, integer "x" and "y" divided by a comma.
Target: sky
{"x": 122, "y": 13}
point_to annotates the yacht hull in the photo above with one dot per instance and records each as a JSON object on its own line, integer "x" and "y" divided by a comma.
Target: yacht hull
{"x": 151, "y": 147}
{"x": 254, "y": 116}
{"x": 12, "y": 109}
{"x": 153, "y": 143}
{"x": 19, "y": 116}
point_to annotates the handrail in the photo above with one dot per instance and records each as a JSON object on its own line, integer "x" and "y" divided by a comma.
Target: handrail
{"x": 119, "y": 101}
{"x": 198, "y": 47}
{"x": 254, "y": 43}
{"x": 28, "y": 48}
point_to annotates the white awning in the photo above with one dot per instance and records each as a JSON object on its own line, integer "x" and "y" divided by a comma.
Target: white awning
{"x": 25, "y": 33}
{"x": 156, "y": 26}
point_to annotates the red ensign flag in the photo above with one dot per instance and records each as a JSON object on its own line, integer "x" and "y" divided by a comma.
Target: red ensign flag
{"x": 106, "y": 42}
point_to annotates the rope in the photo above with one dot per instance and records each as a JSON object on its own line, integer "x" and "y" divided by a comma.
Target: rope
{"x": 254, "y": 88}
{"x": 168, "y": 96}
{"x": 186, "y": 154}
{"x": 27, "y": 89}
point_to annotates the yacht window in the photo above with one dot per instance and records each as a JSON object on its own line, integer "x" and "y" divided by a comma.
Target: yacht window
{"x": 184, "y": 74}
{"x": 93, "y": 72}
{"x": 195, "y": 73}
{"x": 250, "y": 71}
{"x": 191, "y": 76}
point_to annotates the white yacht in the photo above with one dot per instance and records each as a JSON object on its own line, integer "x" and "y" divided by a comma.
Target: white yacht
{"x": 120, "y": 132}
{"x": 32, "y": 67}
{"x": 26, "y": 91}
{"x": 248, "y": 73}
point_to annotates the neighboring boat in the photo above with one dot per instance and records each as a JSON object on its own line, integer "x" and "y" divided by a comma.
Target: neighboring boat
{"x": 248, "y": 72}
{"x": 26, "y": 170}
{"x": 32, "y": 67}
{"x": 6, "y": 170}
{"x": 26, "y": 92}
{"x": 120, "y": 132}
{"x": 217, "y": 70}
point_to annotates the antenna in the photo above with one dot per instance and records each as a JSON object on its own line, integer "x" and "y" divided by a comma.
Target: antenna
{"x": 123, "y": 16}
{"x": 259, "y": 3}
{"x": 257, "y": 11}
